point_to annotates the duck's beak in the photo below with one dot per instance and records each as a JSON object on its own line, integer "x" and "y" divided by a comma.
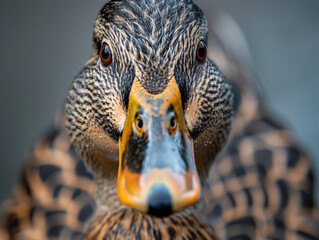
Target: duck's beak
{"x": 157, "y": 172}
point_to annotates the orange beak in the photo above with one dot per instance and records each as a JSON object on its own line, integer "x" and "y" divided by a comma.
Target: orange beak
{"x": 157, "y": 172}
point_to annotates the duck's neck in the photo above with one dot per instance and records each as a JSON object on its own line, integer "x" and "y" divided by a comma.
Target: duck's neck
{"x": 106, "y": 196}
{"x": 131, "y": 224}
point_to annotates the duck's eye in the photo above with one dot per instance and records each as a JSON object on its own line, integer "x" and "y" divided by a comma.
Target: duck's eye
{"x": 173, "y": 122}
{"x": 105, "y": 54}
{"x": 139, "y": 123}
{"x": 172, "y": 125}
{"x": 201, "y": 52}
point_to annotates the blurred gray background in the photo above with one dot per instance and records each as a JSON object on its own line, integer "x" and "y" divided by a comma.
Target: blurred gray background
{"x": 44, "y": 44}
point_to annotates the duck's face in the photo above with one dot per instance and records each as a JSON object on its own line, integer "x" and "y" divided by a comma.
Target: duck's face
{"x": 149, "y": 109}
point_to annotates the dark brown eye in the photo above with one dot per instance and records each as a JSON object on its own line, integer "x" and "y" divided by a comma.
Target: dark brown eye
{"x": 105, "y": 54}
{"x": 201, "y": 52}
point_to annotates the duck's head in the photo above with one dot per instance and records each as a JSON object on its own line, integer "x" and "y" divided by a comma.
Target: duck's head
{"x": 149, "y": 111}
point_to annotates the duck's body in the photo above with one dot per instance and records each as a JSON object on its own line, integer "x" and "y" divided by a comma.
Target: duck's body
{"x": 55, "y": 199}
{"x": 259, "y": 187}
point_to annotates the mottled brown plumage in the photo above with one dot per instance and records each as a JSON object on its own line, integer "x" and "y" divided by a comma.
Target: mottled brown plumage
{"x": 259, "y": 187}
{"x": 131, "y": 224}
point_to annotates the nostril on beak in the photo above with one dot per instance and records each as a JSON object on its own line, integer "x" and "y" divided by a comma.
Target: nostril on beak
{"x": 159, "y": 201}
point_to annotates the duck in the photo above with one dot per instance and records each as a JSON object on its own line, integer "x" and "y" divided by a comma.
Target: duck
{"x": 146, "y": 103}
{"x": 156, "y": 143}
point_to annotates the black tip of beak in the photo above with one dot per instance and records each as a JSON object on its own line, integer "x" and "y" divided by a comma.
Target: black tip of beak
{"x": 159, "y": 201}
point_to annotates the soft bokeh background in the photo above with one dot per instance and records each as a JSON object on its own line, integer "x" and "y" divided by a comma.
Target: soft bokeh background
{"x": 44, "y": 44}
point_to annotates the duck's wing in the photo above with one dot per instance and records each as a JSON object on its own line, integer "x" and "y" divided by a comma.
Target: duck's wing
{"x": 55, "y": 196}
{"x": 261, "y": 184}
